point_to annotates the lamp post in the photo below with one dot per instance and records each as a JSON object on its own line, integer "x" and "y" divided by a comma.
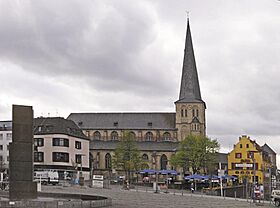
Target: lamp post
{"x": 252, "y": 156}
{"x": 81, "y": 172}
{"x": 154, "y": 155}
{"x": 254, "y": 179}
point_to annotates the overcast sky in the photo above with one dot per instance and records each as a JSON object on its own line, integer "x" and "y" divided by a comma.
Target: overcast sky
{"x": 122, "y": 55}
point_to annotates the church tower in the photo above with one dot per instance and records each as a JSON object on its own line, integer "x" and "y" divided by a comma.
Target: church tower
{"x": 190, "y": 108}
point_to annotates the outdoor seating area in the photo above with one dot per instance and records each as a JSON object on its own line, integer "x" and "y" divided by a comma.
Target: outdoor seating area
{"x": 198, "y": 177}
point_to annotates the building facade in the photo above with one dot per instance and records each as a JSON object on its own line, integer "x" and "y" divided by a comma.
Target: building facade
{"x": 5, "y": 139}
{"x": 157, "y": 134}
{"x": 60, "y": 145}
{"x": 248, "y": 159}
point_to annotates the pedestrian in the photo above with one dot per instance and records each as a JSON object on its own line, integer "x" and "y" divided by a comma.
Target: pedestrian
{"x": 192, "y": 187}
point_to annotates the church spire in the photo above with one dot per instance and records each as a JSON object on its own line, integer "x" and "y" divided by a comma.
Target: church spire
{"x": 190, "y": 90}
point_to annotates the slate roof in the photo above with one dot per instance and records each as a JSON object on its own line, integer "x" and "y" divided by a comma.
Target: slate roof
{"x": 142, "y": 146}
{"x": 57, "y": 125}
{"x": 222, "y": 157}
{"x": 268, "y": 149}
{"x": 5, "y": 125}
{"x": 124, "y": 120}
{"x": 189, "y": 90}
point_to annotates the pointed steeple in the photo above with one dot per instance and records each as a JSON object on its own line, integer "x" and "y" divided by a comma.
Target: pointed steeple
{"x": 190, "y": 90}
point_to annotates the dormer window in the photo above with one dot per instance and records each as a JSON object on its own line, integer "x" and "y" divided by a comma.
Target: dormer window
{"x": 116, "y": 124}
{"x": 80, "y": 123}
{"x": 49, "y": 128}
{"x": 150, "y": 124}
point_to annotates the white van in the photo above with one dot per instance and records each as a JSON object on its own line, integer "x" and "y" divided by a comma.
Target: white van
{"x": 46, "y": 177}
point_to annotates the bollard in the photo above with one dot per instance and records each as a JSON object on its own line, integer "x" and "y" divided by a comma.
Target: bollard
{"x": 235, "y": 195}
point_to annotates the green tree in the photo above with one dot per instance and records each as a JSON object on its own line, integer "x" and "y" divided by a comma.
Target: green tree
{"x": 197, "y": 153}
{"x": 127, "y": 156}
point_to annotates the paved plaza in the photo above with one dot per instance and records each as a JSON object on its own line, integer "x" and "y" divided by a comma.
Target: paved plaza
{"x": 146, "y": 198}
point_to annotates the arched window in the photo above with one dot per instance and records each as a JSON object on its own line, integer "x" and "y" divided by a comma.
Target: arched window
{"x": 97, "y": 135}
{"x": 163, "y": 162}
{"x": 195, "y": 112}
{"x": 195, "y": 127}
{"x": 166, "y": 136}
{"x": 149, "y": 136}
{"x": 184, "y": 111}
{"x": 114, "y": 135}
{"x": 145, "y": 157}
{"x": 132, "y": 135}
{"x": 108, "y": 162}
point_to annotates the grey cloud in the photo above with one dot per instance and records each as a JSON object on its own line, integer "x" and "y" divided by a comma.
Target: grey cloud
{"x": 53, "y": 39}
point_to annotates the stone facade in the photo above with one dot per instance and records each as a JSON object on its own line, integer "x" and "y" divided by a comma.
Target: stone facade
{"x": 140, "y": 135}
{"x": 190, "y": 119}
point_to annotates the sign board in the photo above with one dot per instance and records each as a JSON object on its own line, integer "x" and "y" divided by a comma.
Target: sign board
{"x": 98, "y": 184}
{"x": 98, "y": 177}
{"x": 1, "y": 177}
{"x": 178, "y": 182}
{"x": 221, "y": 172}
{"x": 243, "y": 165}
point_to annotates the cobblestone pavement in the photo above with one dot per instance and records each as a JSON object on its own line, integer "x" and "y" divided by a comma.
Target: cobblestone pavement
{"x": 134, "y": 199}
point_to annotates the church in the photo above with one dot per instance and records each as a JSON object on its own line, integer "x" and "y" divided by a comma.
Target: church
{"x": 157, "y": 134}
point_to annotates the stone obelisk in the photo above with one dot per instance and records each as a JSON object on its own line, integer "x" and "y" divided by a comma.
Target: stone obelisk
{"x": 21, "y": 155}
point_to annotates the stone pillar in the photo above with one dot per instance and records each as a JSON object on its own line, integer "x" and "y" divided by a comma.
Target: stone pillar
{"x": 21, "y": 155}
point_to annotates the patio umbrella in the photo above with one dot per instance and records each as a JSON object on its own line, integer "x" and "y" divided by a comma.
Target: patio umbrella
{"x": 168, "y": 172}
{"x": 148, "y": 171}
{"x": 197, "y": 177}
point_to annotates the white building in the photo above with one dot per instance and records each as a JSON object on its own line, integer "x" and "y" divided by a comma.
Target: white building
{"x": 60, "y": 145}
{"x": 5, "y": 139}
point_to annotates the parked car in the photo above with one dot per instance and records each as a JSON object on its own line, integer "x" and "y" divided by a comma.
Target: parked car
{"x": 275, "y": 197}
{"x": 46, "y": 177}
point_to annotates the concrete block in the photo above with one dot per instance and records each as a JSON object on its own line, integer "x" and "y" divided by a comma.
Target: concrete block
{"x": 22, "y": 132}
{"x": 21, "y": 152}
{"x": 21, "y": 171}
{"x": 22, "y": 190}
{"x": 22, "y": 124}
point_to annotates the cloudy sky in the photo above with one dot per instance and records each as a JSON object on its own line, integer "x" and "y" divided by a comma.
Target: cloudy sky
{"x": 122, "y": 55}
